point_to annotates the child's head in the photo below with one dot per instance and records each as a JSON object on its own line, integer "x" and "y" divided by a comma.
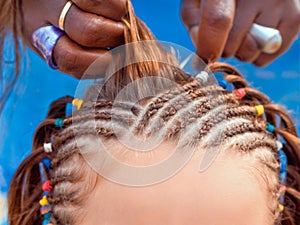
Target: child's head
{"x": 192, "y": 154}
{"x": 241, "y": 185}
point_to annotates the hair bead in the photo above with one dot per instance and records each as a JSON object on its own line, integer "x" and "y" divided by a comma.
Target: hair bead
{"x": 44, "y": 201}
{"x": 47, "y": 186}
{"x": 46, "y": 222}
{"x": 270, "y": 127}
{"x": 281, "y": 207}
{"x": 59, "y": 122}
{"x": 47, "y": 147}
{"x": 69, "y": 107}
{"x": 45, "y": 209}
{"x": 259, "y": 109}
{"x": 47, "y": 216}
{"x": 223, "y": 84}
{"x": 47, "y": 163}
{"x": 203, "y": 75}
{"x": 241, "y": 93}
{"x": 283, "y": 166}
{"x": 77, "y": 103}
{"x": 279, "y": 145}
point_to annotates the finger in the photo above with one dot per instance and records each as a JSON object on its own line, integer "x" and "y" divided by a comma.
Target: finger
{"x": 190, "y": 13}
{"x": 112, "y": 9}
{"x": 75, "y": 60}
{"x": 88, "y": 29}
{"x": 214, "y": 27}
{"x": 249, "y": 50}
{"x": 93, "y": 31}
{"x": 289, "y": 34}
{"x": 244, "y": 18}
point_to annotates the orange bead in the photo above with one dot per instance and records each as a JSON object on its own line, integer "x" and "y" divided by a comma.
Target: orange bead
{"x": 45, "y": 209}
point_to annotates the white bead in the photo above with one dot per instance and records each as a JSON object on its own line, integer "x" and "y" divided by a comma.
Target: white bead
{"x": 203, "y": 76}
{"x": 279, "y": 145}
{"x": 48, "y": 147}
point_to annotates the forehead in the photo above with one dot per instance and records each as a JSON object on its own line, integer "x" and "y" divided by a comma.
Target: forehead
{"x": 225, "y": 194}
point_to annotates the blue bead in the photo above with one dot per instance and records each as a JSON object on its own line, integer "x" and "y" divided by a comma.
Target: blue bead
{"x": 59, "y": 122}
{"x": 283, "y": 161}
{"x": 283, "y": 166}
{"x": 47, "y": 163}
{"x": 47, "y": 216}
{"x": 223, "y": 84}
{"x": 45, "y": 222}
{"x": 69, "y": 109}
{"x": 270, "y": 127}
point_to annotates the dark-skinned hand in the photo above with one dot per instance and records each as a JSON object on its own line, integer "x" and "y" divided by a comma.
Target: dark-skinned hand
{"x": 221, "y": 27}
{"x": 217, "y": 28}
{"x": 91, "y": 27}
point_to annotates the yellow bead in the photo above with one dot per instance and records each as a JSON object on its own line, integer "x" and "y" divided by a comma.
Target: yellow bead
{"x": 259, "y": 109}
{"x": 44, "y": 201}
{"x": 77, "y": 103}
{"x": 281, "y": 207}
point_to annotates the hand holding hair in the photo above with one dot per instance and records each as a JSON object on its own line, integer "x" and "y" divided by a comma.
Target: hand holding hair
{"x": 222, "y": 27}
{"x": 90, "y": 29}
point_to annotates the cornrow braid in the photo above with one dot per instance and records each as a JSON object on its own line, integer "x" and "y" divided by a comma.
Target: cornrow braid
{"x": 229, "y": 113}
{"x": 189, "y": 110}
{"x": 174, "y": 99}
{"x": 285, "y": 130}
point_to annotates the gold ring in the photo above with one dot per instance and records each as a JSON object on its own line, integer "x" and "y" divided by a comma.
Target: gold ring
{"x": 64, "y": 12}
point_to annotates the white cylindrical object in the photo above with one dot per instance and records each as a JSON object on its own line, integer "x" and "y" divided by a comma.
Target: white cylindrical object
{"x": 268, "y": 39}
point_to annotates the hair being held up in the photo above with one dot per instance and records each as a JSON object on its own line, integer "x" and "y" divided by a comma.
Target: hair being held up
{"x": 53, "y": 183}
{"x": 142, "y": 56}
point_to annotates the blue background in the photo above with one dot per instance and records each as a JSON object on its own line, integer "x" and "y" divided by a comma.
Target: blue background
{"x": 39, "y": 86}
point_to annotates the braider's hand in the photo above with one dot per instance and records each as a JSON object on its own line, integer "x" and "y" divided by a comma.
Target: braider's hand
{"x": 90, "y": 28}
{"x": 221, "y": 27}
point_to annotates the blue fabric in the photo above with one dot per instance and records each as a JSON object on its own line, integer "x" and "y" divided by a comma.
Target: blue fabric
{"x": 39, "y": 85}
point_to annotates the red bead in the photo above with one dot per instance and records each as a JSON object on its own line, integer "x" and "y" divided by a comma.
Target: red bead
{"x": 241, "y": 93}
{"x": 47, "y": 186}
